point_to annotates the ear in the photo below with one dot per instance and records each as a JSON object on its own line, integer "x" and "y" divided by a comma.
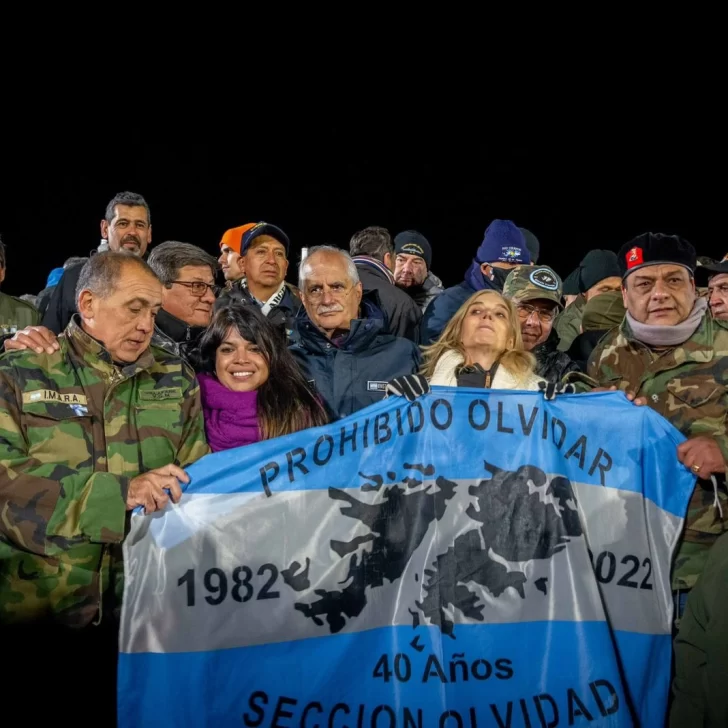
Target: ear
{"x": 241, "y": 264}
{"x": 2, "y": 274}
{"x": 487, "y": 270}
{"x": 87, "y": 305}
{"x": 150, "y": 236}
{"x": 104, "y": 229}
{"x": 389, "y": 261}
{"x": 358, "y": 292}
{"x": 624, "y": 293}
{"x": 285, "y": 269}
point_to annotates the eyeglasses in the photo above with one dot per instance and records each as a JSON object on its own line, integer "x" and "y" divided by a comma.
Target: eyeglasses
{"x": 545, "y": 317}
{"x": 198, "y": 288}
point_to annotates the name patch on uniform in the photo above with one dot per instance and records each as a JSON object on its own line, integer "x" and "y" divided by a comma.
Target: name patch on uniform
{"x": 50, "y": 395}
{"x": 159, "y": 395}
{"x": 376, "y": 386}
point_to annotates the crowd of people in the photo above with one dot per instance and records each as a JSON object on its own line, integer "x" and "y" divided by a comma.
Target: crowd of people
{"x": 134, "y": 363}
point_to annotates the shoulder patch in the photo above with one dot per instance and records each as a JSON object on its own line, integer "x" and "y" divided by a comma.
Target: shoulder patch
{"x": 160, "y": 395}
{"x": 50, "y": 395}
{"x": 544, "y": 278}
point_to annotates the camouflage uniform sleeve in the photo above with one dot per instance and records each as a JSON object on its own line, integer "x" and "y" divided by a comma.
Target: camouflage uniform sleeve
{"x": 193, "y": 444}
{"x": 44, "y": 505}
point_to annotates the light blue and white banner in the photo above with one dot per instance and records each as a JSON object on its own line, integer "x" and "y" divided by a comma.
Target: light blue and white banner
{"x": 471, "y": 559}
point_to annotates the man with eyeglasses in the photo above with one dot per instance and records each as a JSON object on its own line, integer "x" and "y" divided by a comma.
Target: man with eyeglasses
{"x": 715, "y": 278}
{"x": 187, "y": 274}
{"x": 536, "y": 292}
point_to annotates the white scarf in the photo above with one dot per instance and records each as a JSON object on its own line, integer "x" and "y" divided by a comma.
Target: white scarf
{"x": 445, "y": 374}
{"x": 272, "y": 302}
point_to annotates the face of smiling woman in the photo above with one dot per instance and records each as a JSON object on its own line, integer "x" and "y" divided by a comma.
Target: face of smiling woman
{"x": 240, "y": 364}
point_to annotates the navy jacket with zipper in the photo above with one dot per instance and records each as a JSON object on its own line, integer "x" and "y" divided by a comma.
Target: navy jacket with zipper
{"x": 355, "y": 374}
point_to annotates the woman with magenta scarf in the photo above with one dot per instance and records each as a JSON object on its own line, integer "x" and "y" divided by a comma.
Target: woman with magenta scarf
{"x": 250, "y": 384}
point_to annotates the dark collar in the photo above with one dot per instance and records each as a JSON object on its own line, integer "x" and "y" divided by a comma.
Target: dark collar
{"x": 175, "y": 329}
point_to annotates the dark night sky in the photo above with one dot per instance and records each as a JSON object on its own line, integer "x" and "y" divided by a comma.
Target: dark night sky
{"x": 321, "y": 182}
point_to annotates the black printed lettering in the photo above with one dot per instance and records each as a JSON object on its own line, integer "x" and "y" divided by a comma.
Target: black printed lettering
{"x": 301, "y": 454}
{"x": 238, "y": 586}
{"x": 552, "y": 719}
{"x": 323, "y": 459}
{"x": 578, "y": 449}
{"x": 256, "y": 698}
{"x": 281, "y": 713}
{"x": 433, "y": 669}
{"x": 390, "y": 715}
{"x": 307, "y": 709}
{"x": 267, "y": 479}
{"x": 613, "y": 697}
{"x": 446, "y": 722}
{"x": 413, "y": 428}
{"x": 410, "y": 721}
{"x": 603, "y": 461}
{"x": 348, "y": 438}
{"x": 381, "y": 424}
{"x": 475, "y": 422}
{"x": 526, "y": 427}
{"x": 501, "y": 427}
{"x": 576, "y": 706}
{"x": 554, "y": 424}
{"x": 434, "y": 417}
{"x": 400, "y": 431}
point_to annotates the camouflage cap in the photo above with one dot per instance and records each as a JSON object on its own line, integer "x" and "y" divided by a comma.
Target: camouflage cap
{"x": 532, "y": 282}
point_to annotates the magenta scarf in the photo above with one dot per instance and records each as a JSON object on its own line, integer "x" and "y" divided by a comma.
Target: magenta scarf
{"x": 231, "y": 418}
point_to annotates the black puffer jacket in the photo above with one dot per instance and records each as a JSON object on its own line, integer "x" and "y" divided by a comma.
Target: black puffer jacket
{"x": 551, "y": 364}
{"x": 177, "y": 337}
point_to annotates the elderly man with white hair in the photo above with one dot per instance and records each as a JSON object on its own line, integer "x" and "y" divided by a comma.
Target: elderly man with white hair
{"x": 340, "y": 341}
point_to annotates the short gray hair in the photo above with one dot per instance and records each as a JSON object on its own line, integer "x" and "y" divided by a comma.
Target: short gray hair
{"x": 351, "y": 270}
{"x": 102, "y": 272}
{"x": 167, "y": 259}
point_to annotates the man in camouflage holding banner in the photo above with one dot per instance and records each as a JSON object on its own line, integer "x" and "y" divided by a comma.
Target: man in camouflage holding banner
{"x": 88, "y": 432}
{"x": 670, "y": 351}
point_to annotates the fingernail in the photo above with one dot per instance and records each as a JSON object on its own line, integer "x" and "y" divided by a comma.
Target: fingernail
{"x": 50, "y": 349}
{"x": 38, "y": 350}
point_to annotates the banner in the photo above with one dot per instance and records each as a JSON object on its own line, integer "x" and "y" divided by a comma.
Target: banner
{"x": 470, "y": 559}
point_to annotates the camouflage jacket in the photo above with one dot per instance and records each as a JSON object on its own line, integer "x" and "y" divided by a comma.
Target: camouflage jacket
{"x": 568, "y": 323}
{"x": 74, "y": 430}
{"x": 688, "y": 385}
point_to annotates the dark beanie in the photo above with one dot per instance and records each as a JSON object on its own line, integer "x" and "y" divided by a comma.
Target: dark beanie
{"x": 410, "y": 242}
{"x": 534, "y": 247}
{"x": 503, "y": 242}
{"x": 594, "y": 267}
{"x": 656, "y": 249}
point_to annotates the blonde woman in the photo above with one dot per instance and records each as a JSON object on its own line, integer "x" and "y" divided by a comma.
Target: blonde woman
{"x": 481, "y": 346}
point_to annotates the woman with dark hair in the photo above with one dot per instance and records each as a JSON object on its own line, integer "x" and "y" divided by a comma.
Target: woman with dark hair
{"x": 251, "y": 386}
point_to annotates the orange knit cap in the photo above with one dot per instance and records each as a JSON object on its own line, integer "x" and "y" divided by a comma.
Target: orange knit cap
{"x": 233, "y": 238}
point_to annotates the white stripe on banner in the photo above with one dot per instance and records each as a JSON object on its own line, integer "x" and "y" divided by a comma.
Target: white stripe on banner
{"x": 504, "y": 562}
